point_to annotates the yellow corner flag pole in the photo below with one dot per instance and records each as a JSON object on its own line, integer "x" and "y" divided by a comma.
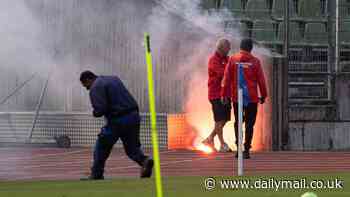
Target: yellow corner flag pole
{"x": 152, "y": 106}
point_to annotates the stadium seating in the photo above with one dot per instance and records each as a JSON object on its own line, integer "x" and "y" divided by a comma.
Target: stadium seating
{"x": 315, "y": 33}
{"x": 344, "y": 9}
{"x": 257, "y": 10}
{"x": 308, "y": 52}
{"x": 294, "y": 32}
{"x": 316, "y": 54}
{"x": 235, "y": 6}
{"x": 232, "y": 5}
{"x": 278, "y": 9}
{"x": 344, "y": 33}
{"x": 264, "y": 31}
{"x": 309, "y": 9}
{"x": 208, "y": 4}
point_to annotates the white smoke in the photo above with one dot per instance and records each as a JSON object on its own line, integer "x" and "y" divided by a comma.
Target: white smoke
{"x": 196, "y": 42}
{"x": 21, "y": 47}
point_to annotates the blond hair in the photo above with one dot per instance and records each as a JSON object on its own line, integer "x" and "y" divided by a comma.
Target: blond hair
{"x": 221, "y": 42}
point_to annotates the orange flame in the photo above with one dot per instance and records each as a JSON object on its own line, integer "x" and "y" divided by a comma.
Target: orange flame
{"x": 204, "y": 148}
{"x": 199, "y": 114}
{"x": 186, "y": 131}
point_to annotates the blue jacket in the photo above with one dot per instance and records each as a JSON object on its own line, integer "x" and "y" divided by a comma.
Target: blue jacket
{"x": 110, "y": 98}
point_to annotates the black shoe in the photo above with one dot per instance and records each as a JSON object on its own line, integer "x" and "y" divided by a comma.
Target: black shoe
{"x": 147, "y": 167}
{"x": 92, "y": 178}
{"x": 246, "y": 155}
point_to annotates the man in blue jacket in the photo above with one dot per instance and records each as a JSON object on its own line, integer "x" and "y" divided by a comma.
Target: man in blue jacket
{"x": 110, "y": 98}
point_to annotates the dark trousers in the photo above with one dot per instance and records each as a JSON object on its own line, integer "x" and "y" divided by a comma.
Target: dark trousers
{"x": 130, "y": 136}
{"x": 249, "y": 117}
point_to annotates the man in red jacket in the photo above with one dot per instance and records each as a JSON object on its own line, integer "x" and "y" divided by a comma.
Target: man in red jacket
{"x": 251, "y": 76}
{"x": 222, "y": 113}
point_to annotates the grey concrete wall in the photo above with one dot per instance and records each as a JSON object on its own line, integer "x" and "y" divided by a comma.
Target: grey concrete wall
{"x": 322, "y": 127}
{"x": 343, "y": 97}
{"x": 312, "y": 136}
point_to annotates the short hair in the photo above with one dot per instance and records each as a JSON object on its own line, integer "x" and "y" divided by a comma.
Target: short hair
{"x": 87, "y": 75}
{"x": 220, "y": 43}
{"x": 247, "y": 44}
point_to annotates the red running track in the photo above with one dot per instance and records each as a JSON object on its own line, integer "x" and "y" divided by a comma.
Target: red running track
{"x": 70, "y": 164}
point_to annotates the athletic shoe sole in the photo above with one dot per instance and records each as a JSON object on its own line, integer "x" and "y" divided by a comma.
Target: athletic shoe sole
{"x": 147, "y": 169}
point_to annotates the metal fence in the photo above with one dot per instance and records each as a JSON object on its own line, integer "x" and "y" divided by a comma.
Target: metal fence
{"x": 81, "y": 128}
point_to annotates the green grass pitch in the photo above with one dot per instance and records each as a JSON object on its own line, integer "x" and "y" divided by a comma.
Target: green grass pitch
{"x": 172, "y": 187}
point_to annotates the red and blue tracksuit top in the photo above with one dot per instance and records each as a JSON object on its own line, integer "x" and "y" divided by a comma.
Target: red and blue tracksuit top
{"x": 251, "y": 76}
{"x": 216, "y": 68}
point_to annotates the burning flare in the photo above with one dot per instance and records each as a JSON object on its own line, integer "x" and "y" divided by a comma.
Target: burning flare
{"x": 204, "y": 148}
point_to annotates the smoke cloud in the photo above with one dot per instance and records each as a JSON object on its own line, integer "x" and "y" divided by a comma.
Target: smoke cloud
{"x": 106, "y": 36}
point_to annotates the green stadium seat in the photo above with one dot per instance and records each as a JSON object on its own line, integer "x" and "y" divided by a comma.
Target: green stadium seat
{"x": 208, "y": 4}
{"x": 257, "y": 9}
{"x": 344, "y": 33}
{"x": 278, "y": 9}
{"x": 264, "y": 31}
{"x": 344, "y": 9}
{"x": 294, "y": 32}
{"x": 309, "y": 9}
{"x": 232, "y": 4}
{"x": 315, "y": 33}
{"x": 235, "y": 6}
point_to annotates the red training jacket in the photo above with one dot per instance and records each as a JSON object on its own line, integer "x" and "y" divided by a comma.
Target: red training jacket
{"x": 253, "y": 75}
{"x": 216, "y": 69}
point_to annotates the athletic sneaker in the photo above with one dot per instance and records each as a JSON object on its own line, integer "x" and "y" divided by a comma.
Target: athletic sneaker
{"x": 147, "y": 167}
{"x": 225, "y": 148}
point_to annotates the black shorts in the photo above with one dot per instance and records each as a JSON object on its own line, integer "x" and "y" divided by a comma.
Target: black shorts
{"x": 221, "y": 112}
